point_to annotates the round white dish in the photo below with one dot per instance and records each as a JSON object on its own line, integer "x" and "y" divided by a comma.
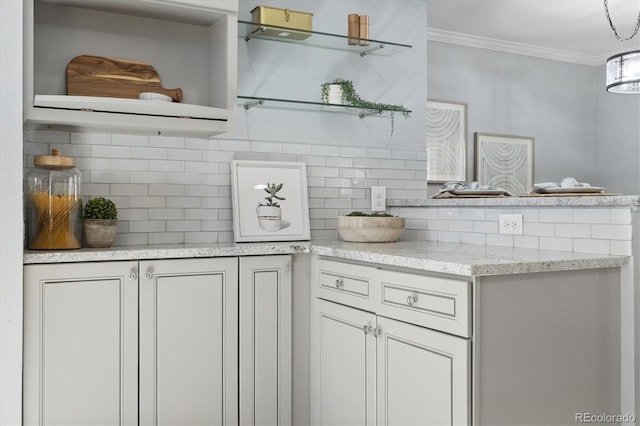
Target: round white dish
{"x": 153, "y": 96}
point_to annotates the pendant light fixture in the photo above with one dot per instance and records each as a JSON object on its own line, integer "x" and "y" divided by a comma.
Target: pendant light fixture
{"x": 623, "y": 69}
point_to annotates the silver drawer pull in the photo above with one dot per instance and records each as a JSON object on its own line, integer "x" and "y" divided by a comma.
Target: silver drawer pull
{"x": 367, "y": 329}
{"x": 339, "y": 283}
{"x": 412, "y": 300}
{"x": 377, "y": 331}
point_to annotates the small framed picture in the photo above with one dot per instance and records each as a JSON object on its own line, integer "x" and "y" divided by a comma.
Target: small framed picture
{"x": 505, "y": 161}
{"x": 446, "y": 141}
{"x": 270, "y": 201}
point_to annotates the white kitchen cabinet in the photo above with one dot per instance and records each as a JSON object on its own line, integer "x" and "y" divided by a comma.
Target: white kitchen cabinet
{"x": 192, "y": 44}
{"x": 81, "y": 344}
{"x": 189, "y": 341}
{"x": 157, "y": 342}
{"x": 265, "y": 340}
{"x": 372, "y": 370}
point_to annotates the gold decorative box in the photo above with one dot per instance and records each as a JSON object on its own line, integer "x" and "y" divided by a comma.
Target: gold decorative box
{"x": 290, "y": 19}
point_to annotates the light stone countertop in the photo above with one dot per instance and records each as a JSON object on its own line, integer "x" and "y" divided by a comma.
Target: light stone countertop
{"x": 450, "y": 258}
{"x": 532, "y": 201}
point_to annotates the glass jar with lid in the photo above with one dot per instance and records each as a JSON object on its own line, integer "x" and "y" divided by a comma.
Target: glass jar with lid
{"x": 54, "y": 205}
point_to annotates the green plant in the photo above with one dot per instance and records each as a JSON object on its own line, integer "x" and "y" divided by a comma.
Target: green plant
{"x": 350, "y": 97}
{"x": 272, "y": 190}
{"x": 100, "y": 208}
{"x": 375, "y": 214}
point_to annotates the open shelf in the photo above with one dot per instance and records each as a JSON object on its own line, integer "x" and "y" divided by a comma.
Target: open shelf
{"x": 249, "y": 102}
{"x": 250, "y": 30}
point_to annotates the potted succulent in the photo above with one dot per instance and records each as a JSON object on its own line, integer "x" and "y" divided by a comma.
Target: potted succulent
{"x": 270, "y": 213}
{"x": 100, "y": 220}
{"x": 341, "y": 92}
{"x": 370, "y": 227}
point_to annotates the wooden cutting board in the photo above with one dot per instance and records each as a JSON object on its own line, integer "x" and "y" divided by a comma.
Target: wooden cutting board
{"x": 114, "y": 78}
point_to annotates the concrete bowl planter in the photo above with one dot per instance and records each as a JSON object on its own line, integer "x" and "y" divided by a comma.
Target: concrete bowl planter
{"x": 370, "y": 229}
{"x": 100, "y": 232}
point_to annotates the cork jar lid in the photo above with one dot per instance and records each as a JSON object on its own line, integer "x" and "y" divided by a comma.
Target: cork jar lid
{"x": 54, "y": 161}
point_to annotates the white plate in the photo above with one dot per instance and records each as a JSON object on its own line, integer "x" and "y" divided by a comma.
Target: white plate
{"x": 478, "y": 192}
{"x": 580, "y": 189}
{"x": 153, "y": 96}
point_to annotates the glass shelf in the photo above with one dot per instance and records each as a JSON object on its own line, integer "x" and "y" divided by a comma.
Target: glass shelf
{"x": 250, "y": 30}
{"x": 249, "y": 102}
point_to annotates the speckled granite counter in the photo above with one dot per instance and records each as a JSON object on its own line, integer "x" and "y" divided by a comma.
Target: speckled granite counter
{"x": 451, "y": 258}
{"x": 532, "y": 201}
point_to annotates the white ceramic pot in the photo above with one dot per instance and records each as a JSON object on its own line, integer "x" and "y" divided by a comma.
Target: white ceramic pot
{"x": 370, "y": 229}
{"x": 335, "y": 94}
{"x": 269, "y": 218}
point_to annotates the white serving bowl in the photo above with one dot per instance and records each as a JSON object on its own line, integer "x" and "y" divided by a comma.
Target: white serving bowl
{"x": 370, "y": 229}
{"x": 153, "y": 96}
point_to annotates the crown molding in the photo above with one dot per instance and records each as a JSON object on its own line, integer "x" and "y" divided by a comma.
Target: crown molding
{"x": 479, "y": 42}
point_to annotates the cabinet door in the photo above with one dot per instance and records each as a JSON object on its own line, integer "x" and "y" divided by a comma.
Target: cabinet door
{"x": 265, "y": 340}
{"x": 81, "y": 344}
{"x": 423, "y": 376}
{"x": 343, "y": 365}
{"x": 189, "y": 342}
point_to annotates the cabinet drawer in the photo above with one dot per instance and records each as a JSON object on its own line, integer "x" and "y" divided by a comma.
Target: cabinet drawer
{"x": 439, "y": 303}
{"x": 345, "y": 282}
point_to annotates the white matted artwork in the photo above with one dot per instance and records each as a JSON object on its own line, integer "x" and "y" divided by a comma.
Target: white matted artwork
{"x": 446, "y": 141}
{"x": 505, "y": 161}
{"x": 270, "y": 201}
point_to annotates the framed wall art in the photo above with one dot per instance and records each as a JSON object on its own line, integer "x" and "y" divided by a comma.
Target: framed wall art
{"x": 446, "y": 141}
{"x": 505, "y": 161}
{"x": 270, "y": 201}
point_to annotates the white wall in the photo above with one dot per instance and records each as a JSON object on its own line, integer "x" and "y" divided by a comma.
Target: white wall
{"x": 11, "y": 231}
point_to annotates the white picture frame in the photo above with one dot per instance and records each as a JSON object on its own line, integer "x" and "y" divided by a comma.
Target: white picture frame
{"x": 289, "y": 220}
{"x": 504, "y": 161}
{"x": 446, "y": 141}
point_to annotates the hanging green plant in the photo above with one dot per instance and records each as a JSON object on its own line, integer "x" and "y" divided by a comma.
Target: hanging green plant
{"x": 351, "y": 98}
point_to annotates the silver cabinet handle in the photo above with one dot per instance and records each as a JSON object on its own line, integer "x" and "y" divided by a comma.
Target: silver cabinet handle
{"x": 377, "y": 331}
{"x": 367, "y": 329}
{"x": 133, "y": 276}
{"x": 148, "y": 275}
{"x": 412, "y": 300}
{"x": 339, "y": 283}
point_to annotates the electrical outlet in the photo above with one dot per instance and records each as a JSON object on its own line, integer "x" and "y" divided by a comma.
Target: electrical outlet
{"x": 510, "y": 224}
{"x": 378, "y": 198}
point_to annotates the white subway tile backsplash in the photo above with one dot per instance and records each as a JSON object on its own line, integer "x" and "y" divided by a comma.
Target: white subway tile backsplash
{"x": 556, "y": 215}
{"x": 611, "y": 232}
{"x": 91, "y": 138}
{"x": 621, "y": 216}
{"x": 591, "y": 215}
{"x": 500, "y": 240}
{"x": 525, "y": 241}
{"x": 378, "y": 153}
{"x": 325, "y": 150}
{"x": 539, "y": 229}
{"x": 147, "y": 153}
{"x": 553, "y": 243}
{"x": 587, "y": 245}
{"x": 148, "y": 177}
{"x": 129, "y": 140}
{"x": 573, "y": 230}
{"x": 173, "y": 189}
{"x": 166, "y": 141}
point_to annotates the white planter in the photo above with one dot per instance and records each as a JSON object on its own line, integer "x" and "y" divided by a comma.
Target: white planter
{"x": 335, "y": 94}
{"x": 269, "y": 218}
{"x": 368, "y": 229}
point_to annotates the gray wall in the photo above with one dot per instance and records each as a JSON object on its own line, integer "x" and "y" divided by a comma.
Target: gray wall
{"x": 555, "y": 102}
